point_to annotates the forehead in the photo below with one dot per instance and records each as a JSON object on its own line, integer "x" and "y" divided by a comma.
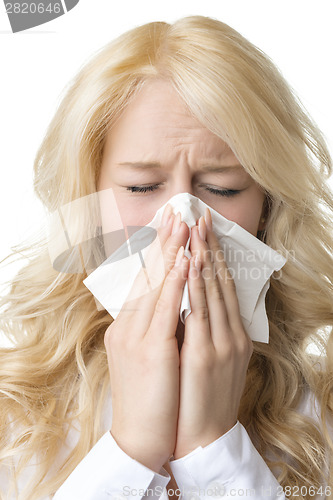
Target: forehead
{"x": 158, "y": 116}
{"x": 156, "y": 99}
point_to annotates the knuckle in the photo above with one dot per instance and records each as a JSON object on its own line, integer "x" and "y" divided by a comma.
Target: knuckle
{"x": 230, "y": 281}
{"x": 162, "y": 305}
{"x": 214, "y": 244}
{"x": 219, "y": 255}
{"x": 172, "y": 275}
{"x": 222, "y": 274}
{"x": 170, "y": 254}
{"x": 114, "y": 339}
{"x": 206, "y": 254}
{"x": 202, "y": 313}
{"x": 242, "y": 347}
{"x": 245, "y": 347}
{"x": 108, "y": 334}
{"x": 214, "y": 290}
{"x": 250, "y": 347}
{"x": 228, "y": 351}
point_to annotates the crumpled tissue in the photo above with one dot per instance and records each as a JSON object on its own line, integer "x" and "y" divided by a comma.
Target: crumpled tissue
{"x": 250, "y": 263}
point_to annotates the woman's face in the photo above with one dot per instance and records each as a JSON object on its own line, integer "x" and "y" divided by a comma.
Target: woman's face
{"x": 157, "y": 146}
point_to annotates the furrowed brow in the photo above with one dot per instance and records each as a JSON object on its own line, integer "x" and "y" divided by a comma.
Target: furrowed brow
{"x": 157, "y": 165}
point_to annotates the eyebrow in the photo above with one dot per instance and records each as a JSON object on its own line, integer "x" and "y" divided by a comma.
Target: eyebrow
{"x": 204, "y": 168}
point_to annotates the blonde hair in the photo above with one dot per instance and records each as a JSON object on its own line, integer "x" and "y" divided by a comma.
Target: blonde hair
{"x": 58, "y": 371}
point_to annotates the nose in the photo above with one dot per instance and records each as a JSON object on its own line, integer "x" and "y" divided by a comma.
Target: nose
{"x": 183, "y": 184}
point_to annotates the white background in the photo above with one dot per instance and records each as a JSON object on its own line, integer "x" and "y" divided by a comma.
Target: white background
{"x": 37, "y": 64}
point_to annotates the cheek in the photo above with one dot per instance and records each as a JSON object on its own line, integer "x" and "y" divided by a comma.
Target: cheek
{"x": 117, "y": 224}
{"x": 126, "y": 211}
{"x": 246, "y": 211}
{"x": 119, "y": 214}
{"x": 135, "y": 212}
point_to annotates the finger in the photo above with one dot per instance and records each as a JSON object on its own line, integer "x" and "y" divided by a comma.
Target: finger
{"x": 226, "y": 282}
{"x": 218, "y": 319}
{"x": 197, "y": 328}
{"x": 158, "y": 266}
{"x": 152, "y": 270}
{"x": 166, "y": 314}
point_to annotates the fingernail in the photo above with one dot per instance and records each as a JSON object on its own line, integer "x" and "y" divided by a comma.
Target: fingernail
{"x": 208, "y": 219}
{"x": 176, "y": 223}
{"x": 179, "y": 256}
{"x": 202, "y": 228}
{"x": 166, "y": 215}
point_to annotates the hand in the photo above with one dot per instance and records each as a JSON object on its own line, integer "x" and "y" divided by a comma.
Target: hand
{"x": 143, "y": 355}
{"x": 216, "y": 350}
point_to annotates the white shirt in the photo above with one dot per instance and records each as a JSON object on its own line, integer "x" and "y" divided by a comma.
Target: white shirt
{"x": 229, "y": 467}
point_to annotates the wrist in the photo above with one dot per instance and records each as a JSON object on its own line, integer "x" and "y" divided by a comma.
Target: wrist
{"x": 148, "y": 458}
{"x": 184, "y": 448}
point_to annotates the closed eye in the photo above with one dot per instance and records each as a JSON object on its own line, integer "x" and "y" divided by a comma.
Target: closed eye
{"x": 218, "y": 192}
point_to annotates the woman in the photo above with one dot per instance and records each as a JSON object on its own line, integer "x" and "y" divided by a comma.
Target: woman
{"x": 178, "y": 95}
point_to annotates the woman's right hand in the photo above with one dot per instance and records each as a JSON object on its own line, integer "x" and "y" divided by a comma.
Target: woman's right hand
{"x": 143, "y": 355}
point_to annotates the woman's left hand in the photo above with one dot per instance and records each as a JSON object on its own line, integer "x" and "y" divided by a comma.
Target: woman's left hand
{"x": 216, "y": 350}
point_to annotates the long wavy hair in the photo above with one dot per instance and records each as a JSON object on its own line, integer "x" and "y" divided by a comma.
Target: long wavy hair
{"x": 57, "y": 372}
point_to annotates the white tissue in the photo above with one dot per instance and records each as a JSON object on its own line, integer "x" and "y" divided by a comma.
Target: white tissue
{"x": 250, "y": 262}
